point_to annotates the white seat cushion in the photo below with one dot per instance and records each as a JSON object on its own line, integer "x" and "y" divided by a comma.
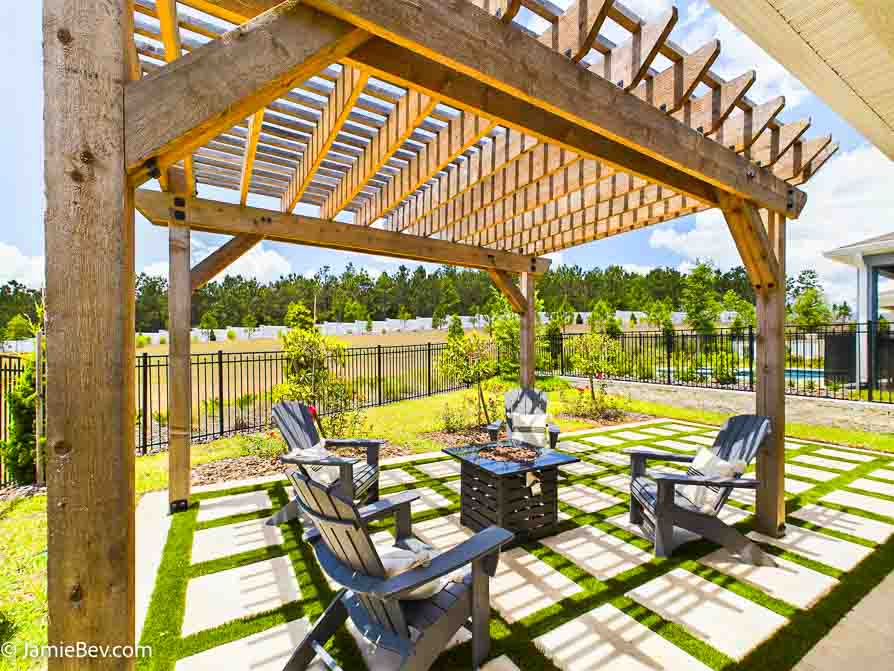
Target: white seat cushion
{"x": 529, "y": 429}
{"x": 708, "y": 464}
{"x": 399, "y": 560}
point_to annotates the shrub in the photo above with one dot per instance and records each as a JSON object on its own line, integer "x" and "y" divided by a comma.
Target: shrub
{"x": 160, "y": 417}
{"x": 231, "y": 334}
{"x": 18, "y": 449}
{"x": 455, "y": 416}
{"x": 142, "y": 341}
{"x": 597, "y": 405}
{"x": 725, "y": 368}
{"x": 162, "y": 340}
{"x": 299, "y": 317}
{"x": 264, "y": 445}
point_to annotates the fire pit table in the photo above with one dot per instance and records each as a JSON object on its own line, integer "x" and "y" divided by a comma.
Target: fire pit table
{"x": 521, "y": 496}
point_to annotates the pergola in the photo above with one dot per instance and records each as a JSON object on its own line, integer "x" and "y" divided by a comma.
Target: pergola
{"x": 435, "y": 130}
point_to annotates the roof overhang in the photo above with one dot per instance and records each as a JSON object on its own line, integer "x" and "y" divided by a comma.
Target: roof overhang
{"x": 843, "y": 51}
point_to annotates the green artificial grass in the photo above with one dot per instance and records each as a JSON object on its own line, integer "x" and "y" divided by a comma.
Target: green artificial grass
{"x": 516, "y": 640}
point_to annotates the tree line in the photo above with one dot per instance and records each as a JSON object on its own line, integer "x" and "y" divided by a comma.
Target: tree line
{"x": 354, "y": 295}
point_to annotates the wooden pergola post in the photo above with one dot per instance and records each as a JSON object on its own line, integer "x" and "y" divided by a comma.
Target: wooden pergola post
{"x": 179, "y": 374}
{"x": 770, "y": 387}
{"x": 527, "y": 353}
{"x": 89, "y": 227}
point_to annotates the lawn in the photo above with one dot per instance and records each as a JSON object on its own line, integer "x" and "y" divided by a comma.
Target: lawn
{"x": 23, "y": 522}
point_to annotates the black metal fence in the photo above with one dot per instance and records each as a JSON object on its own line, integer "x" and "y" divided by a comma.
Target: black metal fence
{"x": 852, "y": 362}
{"x": 233, "y": 392}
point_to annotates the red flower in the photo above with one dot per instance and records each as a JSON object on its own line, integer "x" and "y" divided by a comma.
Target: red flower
{"x": 313, "y": 411}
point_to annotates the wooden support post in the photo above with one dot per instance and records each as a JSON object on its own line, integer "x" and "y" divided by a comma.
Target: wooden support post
{"x": 771, "y": 387}
{"x": 527, "y": 353}
{"x": 89, "y": 229}
{"x": 179, "y": 374}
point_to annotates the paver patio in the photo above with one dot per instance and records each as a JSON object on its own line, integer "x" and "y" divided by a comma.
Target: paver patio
{"x": 592, "y": 596}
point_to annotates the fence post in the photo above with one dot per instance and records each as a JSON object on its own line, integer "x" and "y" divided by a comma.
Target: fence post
{"x": 379, "y": 372}
{"x": 751, "y": 358}
{"x": 220, "y": 392}
{"x": 872, "y": 326}
{"x": 562, "y": 353}
{"x": 668, "y": 352}
{"x": 144, "y": 422}
{"x": 39, "y": 408}
{"x": 428, "y": 347}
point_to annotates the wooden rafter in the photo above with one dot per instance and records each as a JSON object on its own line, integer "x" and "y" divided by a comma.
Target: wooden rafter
{"x": 408, "y": 113}
{"x": 228, "y": 218}
{"x": 333, "y": 117}
{"x": 506, "y": 150}
{"x": 170, "y": 38}
{"x": 233, "y": 77}
{"x": 672, "y": 87}
{"x": 575, "y": 32}
{"x": 772, "y": 146}
{"x": 250, "y": 153}
{"x": 455, "y": 138}
{"x": 628, "y": 64}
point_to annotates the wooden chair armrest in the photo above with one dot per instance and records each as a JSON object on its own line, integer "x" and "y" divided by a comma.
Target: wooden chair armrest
{"x": 292, "y": 458}
{"x": 372, "y": 445}
{"x": 397, "y": 505}
{"x": 667, "y": 479}
{"x": 651, "y": 455}
{"x": 479, "y": 546}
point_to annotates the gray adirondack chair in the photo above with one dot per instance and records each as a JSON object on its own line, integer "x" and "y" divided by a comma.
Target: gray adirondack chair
{"x": 524, "y": 401}
{"x": 416, "y": 630}
{"x": 657, "y": 506}
{"x": 356, "y": 480}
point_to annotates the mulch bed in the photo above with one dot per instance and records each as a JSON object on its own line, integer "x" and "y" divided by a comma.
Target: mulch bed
{"x": 12, "y": 491}
{"x": 237, "y": 468}
{"x": 460, "y": 438}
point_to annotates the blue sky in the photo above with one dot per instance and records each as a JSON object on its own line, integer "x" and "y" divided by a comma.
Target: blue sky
{"x": 850, "y": 199}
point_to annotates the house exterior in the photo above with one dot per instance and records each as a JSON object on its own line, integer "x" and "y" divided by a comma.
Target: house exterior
{"x": 874, "y": 260}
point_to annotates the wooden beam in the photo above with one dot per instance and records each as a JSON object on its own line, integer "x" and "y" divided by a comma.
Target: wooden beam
{"x": 527, "y": 351}
{"x": 409, "y": 112}
{"x": 476, "y": 62}
{"x": 707, "y": 113}
{"x": 451, "y": 141}
{"x": 672, "y": 87}
{"x": 800, "y": 155}
{"x": 577, "y": 29}
{"x": 251, "y": 150}
{"x": 183, "y": 105}
{"x": 228, "y": 218}
{"x": 813, "y": 166}
{"x": 628, "y": 64}
{"x": 90, "y": 399}
{"x": 221, "y": 258}
{"x": 772, "y": 146}
{"x": 770, "y": 385}
{"x": 170, "y": 38}
{"x": 741, "y": 131}
{"x": 338, "y": 108}
{"x": 504, "y": 282}
{"x": 179, "y": 369}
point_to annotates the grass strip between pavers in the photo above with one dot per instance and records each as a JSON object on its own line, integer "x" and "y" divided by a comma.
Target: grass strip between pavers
{"x": 516, "y": 640}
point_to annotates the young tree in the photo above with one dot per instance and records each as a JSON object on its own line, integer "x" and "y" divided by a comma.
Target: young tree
{"x": 299, "y": 317}
{"x": 597, "y": 356}
{"x": 404, "y": 315}
{"x": 563, "y": 316}
{"x": 355, "y": 311}
{"x": 810, "y": 309}
{"x": 468, "y": 357}
{"x": 18, "y": 328}
{"x": 251, "y": 325}
{"x": 700, "y": 300}
{"x": 438, "y": 317}
{"x": 455, "y": 330}
{"x": 843, "y": 312}
{"x": 659, "y": 314}
{"x": 208, "y": 323}
{"x": 600, "y": 313}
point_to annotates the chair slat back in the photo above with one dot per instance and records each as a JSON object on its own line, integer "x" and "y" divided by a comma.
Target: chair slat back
{"x": 348, "y": 539}
{"x": 739, "y": 438}
{"x": 296, "y": 424}
{"x": 525, "y": 402}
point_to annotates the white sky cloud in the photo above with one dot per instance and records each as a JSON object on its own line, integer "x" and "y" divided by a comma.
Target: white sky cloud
{"x": 260, "y": 263}
{"x": 637, "y": 268}
{"x": 14, "y": 265}
{"x": 849, "y": 200}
